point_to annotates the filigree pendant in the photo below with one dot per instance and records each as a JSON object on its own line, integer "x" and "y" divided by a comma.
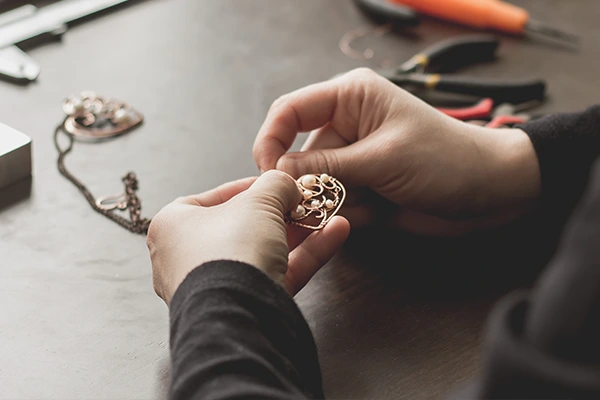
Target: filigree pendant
{"x": 322, "y": 198}
{"x": 90, "y": 116}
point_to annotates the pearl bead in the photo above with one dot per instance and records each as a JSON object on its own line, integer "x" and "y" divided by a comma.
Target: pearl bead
{"x": 77, "y": 105}
{"x": 329, "y": 203}
{"x": 325, "y": 178}
{"x": 315, "y": 203}
{"x": 306, "y": 194}
{"x": 298, "y": 212}
{"x": 308, "y": 181}
{"x": 121, "y": 116}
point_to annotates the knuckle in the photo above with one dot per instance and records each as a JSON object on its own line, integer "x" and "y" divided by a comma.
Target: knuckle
{"x": 280, "y": 101}
{"x": 363, "y": 73}
{"x": 281, "y": 180}
{"x": 181, "y": 200}
{"x": 274, "y": 174}
{"x": 278, "y": 189}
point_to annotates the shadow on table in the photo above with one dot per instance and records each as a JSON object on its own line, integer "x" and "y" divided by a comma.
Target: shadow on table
{"x": 478, "y": 265}
{"x": 15, "y": 193}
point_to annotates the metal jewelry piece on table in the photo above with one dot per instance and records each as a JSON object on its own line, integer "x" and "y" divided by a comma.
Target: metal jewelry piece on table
{"x": 346, "y": 48}
{"x": 322, "y": 198}
{"x": 387, "y": 17}
{"x": 92, "y": 117}
{"x": 112, "y": 202}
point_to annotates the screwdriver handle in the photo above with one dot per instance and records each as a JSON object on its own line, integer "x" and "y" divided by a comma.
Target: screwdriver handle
{"x": 482, "y": 14}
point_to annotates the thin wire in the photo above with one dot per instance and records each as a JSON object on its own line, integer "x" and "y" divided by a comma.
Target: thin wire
{"x": 345, "y": 43}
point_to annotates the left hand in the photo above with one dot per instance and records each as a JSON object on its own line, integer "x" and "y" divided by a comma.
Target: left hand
{"x": 423, "y": 171}
{"x": 241, "y": 221}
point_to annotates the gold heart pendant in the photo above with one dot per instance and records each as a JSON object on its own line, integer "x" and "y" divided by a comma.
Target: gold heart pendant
{"x": 322, "y": 197}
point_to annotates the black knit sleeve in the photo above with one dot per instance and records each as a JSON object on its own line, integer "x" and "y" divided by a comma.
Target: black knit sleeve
{"x": 544, "y": 343}
{"x": 236, "y": 334}
{"x": 566, "y": 146}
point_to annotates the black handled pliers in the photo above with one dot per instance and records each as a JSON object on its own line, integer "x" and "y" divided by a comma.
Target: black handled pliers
{"x": 423, "y": 70}
{"x": 384, "y": 12}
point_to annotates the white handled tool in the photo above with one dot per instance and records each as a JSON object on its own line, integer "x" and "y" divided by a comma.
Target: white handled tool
{"x": 29, "y": 22}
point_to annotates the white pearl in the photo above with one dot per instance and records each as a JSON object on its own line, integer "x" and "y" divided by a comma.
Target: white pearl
{"x": 314, "y": 203}
{"x": 325, "y": 178}
{"x": 298, "y": 212}
{"x": 121, "y": 116}
{"x": 329, "y": 203}
{"x": 306, "y": 194}
{"x": 308, "y": 181}
{"x": 77, "y": 105}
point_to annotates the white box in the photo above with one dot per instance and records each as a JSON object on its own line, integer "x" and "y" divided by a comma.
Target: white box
{"x": 15, "y": 156}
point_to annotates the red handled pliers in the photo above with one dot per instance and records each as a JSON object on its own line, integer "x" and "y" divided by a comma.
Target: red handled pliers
{"x": 492, "y": 116}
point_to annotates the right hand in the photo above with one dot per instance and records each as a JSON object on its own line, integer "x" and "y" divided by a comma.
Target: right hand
{"x": 445, "y": 177}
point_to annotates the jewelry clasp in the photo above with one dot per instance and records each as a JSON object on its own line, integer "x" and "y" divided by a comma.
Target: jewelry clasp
{"x": 112, "y": 202}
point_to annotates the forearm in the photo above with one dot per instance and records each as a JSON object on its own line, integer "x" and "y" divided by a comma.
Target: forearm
{"x": 510, "y": 175}
{"x": 237, "y": 334}
{"x": 543, "y": 164}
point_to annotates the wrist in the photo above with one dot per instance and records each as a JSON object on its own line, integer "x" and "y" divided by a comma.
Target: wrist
{"x": 512, "y": 174}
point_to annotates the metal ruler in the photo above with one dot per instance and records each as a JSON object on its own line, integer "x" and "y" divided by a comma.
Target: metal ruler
{"x": 29, "y": 22}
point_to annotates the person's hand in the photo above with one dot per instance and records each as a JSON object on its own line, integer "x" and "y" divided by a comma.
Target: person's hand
{"x": 442, "y": 176}
{"x": 241, "y": 221}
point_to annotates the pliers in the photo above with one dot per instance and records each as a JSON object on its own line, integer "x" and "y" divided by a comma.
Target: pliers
{"x": 384, "y": 12}
{"x": 485, "y": 113}
{"x": 423, "y": 70}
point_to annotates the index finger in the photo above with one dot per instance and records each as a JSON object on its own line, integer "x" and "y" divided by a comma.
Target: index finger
{"x": 300, "y": 111}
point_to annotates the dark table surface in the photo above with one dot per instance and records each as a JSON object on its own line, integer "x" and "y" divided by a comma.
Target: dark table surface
{"x": 397, "y": 317}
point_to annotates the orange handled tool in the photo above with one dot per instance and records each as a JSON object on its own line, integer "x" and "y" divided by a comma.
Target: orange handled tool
{"x": 486, "y": 14}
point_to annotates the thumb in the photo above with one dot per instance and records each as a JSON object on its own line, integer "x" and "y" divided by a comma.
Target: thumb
{"x": 278, "y": 189}
{"x": 353, "y": 165}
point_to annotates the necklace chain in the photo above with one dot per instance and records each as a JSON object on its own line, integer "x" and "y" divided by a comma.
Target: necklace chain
{"x": 132, "y": 203}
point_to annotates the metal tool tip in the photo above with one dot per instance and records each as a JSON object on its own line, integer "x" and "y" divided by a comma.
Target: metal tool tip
{"x": 540, "y": 28}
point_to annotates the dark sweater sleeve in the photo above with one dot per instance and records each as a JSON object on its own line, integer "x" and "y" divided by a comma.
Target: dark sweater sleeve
{"x": 566, "y": 146}
{"x": 545, "y": 343}
{"x": 236, "y": 334}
